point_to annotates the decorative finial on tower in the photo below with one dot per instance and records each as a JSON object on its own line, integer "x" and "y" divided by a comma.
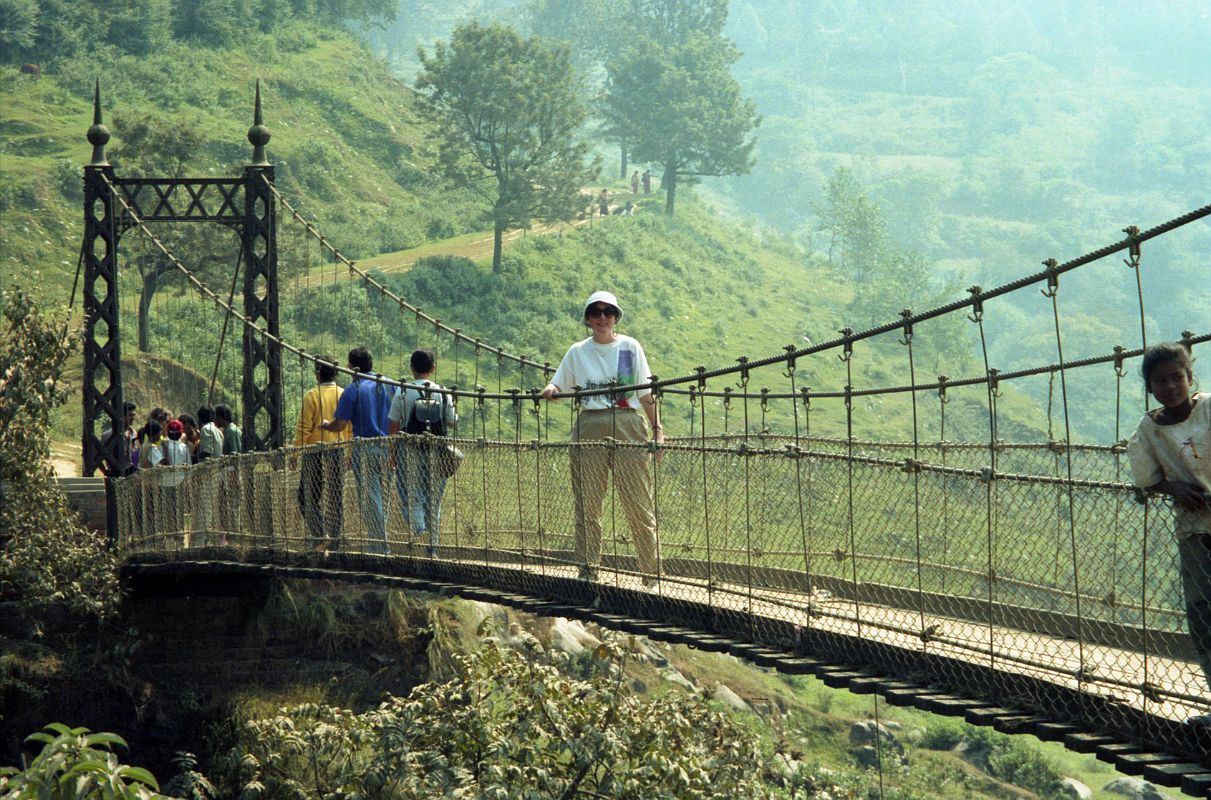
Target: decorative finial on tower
{"x": 258, "y": 134}
{"x": 98, "y": 134}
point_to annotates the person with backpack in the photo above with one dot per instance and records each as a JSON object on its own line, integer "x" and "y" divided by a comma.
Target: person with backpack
{"x": 363, "y": 405}
{"x": 422, "y": 468}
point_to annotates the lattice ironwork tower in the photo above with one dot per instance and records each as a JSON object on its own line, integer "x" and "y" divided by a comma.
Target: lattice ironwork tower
{"x": 102, "y": 344}
{"x": 262, "y": 384}
{"x": 245, "y": 203}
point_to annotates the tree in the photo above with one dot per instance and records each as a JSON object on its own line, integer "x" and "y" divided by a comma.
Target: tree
{"x": 162, "y": 148}
{"x": 509, "y": 119}
{"x": 18, "y": 23}
{"x": 48, "y": 560}
{"x": 599, "y": 33}
{"x": 684, "y": 110}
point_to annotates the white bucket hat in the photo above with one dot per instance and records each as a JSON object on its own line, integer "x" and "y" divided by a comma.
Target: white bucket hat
{"x": 601, "y": 297}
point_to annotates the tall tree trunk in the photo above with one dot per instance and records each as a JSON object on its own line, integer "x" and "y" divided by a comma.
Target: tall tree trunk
{"x": 497, "y": 244}
{"x": 151, "y": 282}
{"x": 670, "y": 188}
{"x": 622, "y": 150}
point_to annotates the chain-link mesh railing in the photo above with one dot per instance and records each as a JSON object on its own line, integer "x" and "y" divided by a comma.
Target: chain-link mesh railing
{"x": 767, "y": 532}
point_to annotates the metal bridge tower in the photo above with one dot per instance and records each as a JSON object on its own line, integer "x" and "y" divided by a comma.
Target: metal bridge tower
{"x": 245, "y": 203}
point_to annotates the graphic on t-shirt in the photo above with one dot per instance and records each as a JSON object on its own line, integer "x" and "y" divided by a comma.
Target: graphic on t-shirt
{"x": 1190, "y": 444}
{"x": 626, "y": 374}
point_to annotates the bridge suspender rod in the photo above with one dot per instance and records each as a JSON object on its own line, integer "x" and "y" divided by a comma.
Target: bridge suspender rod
{"x": 906, "y": 340}
{"x": 977, "y": 316}
{"x": 1052, "y": 292}
{"x": 848, "y": 357}
{"x": 1132, "y": 261}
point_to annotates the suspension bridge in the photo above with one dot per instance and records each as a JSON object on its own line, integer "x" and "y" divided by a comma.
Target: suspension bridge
{"x": 1020, "y": 584}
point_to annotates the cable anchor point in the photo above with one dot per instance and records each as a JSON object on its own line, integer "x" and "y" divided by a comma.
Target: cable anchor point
{"x": 977, "y": 304}
{"x": 789, "y": 372}
{"x": 1119, "y": 369}
{"x": 1053, "y": 278}
{"x": 1133, "y": 247}
{"x": 847, "y": 348}
{"x": 907, "y": 316}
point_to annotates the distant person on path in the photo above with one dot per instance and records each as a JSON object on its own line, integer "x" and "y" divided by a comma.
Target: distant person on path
{"x": 1170, "y": 453}
{"x": 416, "y": 409}
{"x": 364, "y": 406}
{"x": 209, "y": 481}
{"x": 635, "y": 182}
{"x": 610, "y": 360}
{"x": 603, "y": 203}
{"x": 321, "y": 466}
{"x": 647, "y": 181}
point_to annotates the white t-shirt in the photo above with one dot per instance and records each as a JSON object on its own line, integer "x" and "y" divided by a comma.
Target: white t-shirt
{"x": 1180, "y": 452}
{"x": 590, "y": 365}
{"x": 176, "y": 452}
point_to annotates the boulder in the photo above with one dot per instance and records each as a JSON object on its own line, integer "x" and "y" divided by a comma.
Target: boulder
{"x": 569, "y": 636}
{"x": 1075, "y": 790}
{"x": 867, "y": 730}
{"x": 730, "y": 699}
{"x": 1133, "y": 789}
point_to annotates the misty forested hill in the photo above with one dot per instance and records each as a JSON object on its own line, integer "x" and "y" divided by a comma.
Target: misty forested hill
{"x": 994, "y": 136}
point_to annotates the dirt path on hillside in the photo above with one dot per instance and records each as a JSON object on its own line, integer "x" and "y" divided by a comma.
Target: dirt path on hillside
{"x": 476, "y": 247}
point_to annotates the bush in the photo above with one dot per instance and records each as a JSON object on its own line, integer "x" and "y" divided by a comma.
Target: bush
{"x": 47, "y": 558}
{"x": 509, "y": 726}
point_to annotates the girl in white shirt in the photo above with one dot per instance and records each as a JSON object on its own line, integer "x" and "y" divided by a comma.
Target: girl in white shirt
{"x": 1170, "y": 453}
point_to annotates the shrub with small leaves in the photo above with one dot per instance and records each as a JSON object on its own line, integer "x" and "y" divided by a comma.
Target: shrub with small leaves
{"x": 510, "y": 725}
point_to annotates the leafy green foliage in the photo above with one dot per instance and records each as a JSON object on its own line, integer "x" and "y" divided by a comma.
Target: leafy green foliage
{"x": 508, "y": 726}
{"x": 681, "y": 108}
{"x": 509, "y": 118}
{"x": 77, "y": 765}
{"x": 46, "y": 556}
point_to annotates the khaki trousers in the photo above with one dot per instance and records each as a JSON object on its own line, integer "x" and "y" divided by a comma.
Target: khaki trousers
{"x": 591, "y": 468}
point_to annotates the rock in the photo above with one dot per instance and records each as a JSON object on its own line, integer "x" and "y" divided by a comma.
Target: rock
{"x": 892, "y": 725}
{"x": 867, "y": 756}
{"x": 570, "y": 636}
{"x": 866, "y": 731}
{"x": 673, "y": 676}
{"x": 1075, "y": 789}
{"x": 1133, "y": 789}
{"x": 730, "y": 699}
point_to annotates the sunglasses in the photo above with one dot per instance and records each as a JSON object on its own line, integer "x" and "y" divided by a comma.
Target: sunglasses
{"x": 602, "y": 311}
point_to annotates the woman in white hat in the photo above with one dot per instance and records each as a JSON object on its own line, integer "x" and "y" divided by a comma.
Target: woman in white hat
{"x": 610, "y": 360}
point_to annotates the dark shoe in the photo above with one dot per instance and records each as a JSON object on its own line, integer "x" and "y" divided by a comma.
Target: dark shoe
{"x": 431, "y": 552}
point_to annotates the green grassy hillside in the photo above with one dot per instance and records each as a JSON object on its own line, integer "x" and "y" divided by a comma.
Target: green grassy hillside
{"x": 347, "y": 144}
{"x": 350, "y": 152}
